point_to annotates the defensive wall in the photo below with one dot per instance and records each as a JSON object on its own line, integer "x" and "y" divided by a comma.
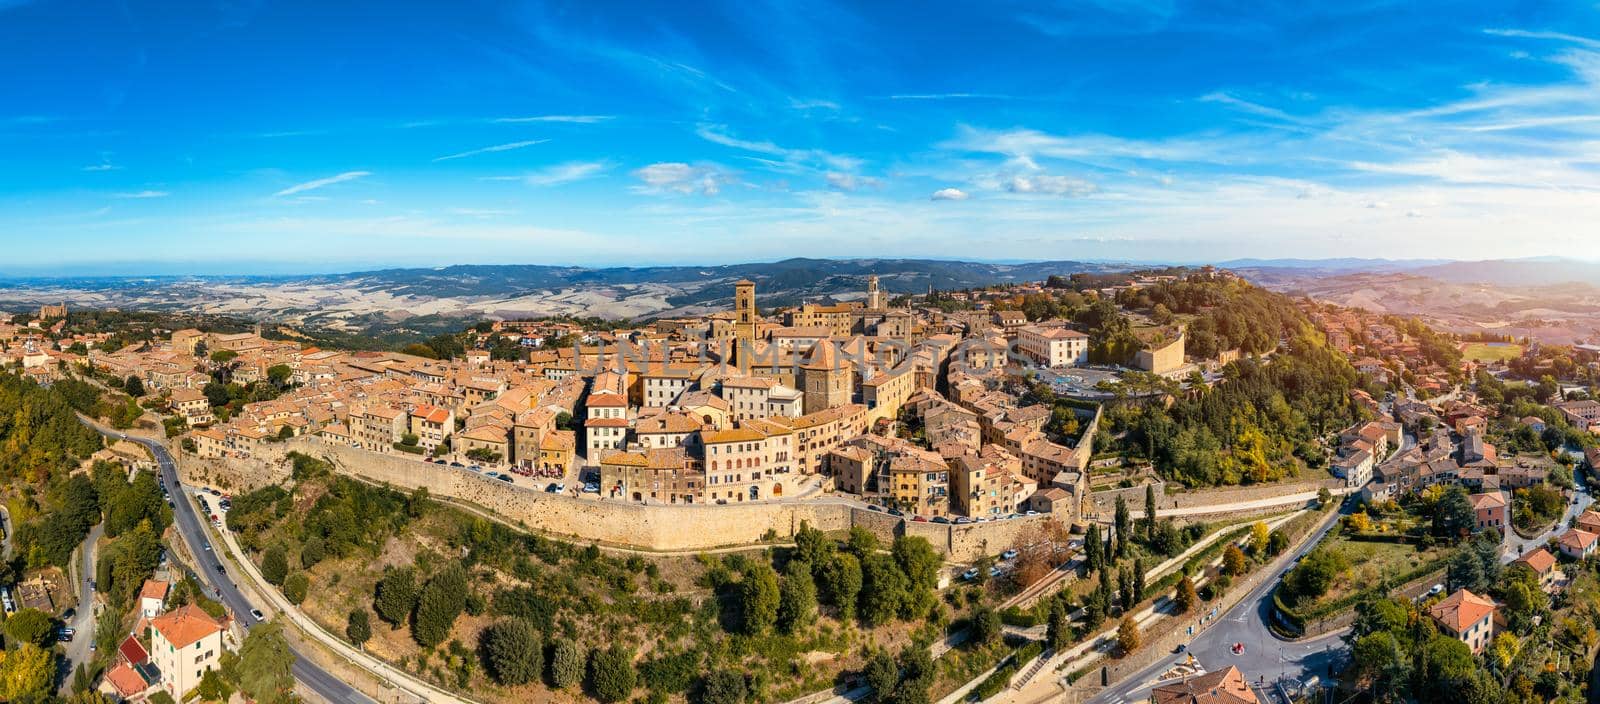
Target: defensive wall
{"x": 665, "y": 528}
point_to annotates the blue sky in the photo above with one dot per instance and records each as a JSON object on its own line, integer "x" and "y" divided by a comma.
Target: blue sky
{"x": 140, "y": 137}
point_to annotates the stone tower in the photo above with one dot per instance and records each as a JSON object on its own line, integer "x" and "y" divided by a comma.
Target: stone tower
{"x": 874, "y": 296}
{"x": 744, "y": 310}
{"x": 825, "y": 378}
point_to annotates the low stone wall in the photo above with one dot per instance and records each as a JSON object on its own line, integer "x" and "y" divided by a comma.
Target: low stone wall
{"x": 1105, "y": 501}
{"x": 672, "y": 528}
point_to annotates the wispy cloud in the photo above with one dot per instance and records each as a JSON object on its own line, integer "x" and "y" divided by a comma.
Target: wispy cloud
{"x": 496, "y": 148}
{"x": 104, "y": 166}
{"x": 948, "y": 96}
{"x": 850, "y": 182}
{"x": 680, "y": 178}
{"x": 567, "y": 173}
{"x": 718, "y": 134}
{"x": 1557, "y": 36}
{"x": 144, "y": 194}
{"x": 574, "y": 119}
{"x": 319, "y": 183}
{"x": 949, "y": 194}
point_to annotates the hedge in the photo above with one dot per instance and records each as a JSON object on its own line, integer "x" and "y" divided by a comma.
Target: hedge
{"x": 1008, "y": 669}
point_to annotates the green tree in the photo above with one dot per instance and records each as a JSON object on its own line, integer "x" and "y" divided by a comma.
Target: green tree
{"x": 31, "y": 626}
{"x": 985, "y": 625}
{"x": 920, "y": 563}
{"x": 358, "y": 626}
{"x": 397, "y": 596}
{"x": 295, "y": 587}
{"x": 134, "y": 386}
{"x": 883, "y": 589}
{"x": 440, "y": 602}
{"x": 1094, "y": 556}
{"x": 841, "y": 583}
{"x": 265, "y": 663}
{"x": 1058, "y": 627}
{"x": 566, "y": 663}
{"x": 1149, "y": 511}
{"x": 1122, "y": 525}
{"x": 917, "y": 675}
{"x": 612, "y": 677}
{"x": 513, "y": 651}
{"x": 213, "y": 688}
{"x": 797, "y": 600}
{"x": 759, "y": 599}
{"x": 723, "y": 687}
{"x": 312, "y": 552}
{"x": 274, "y": 565}
{"x": 881, "y": 675}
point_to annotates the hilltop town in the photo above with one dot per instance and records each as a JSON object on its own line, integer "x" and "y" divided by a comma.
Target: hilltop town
{"x": 1004, "y": 436}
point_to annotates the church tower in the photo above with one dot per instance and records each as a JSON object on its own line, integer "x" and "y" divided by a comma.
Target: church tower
{"x": 744, "y": 310}
{"x": 825, "y": 379}
{"x": 874, "y": 296}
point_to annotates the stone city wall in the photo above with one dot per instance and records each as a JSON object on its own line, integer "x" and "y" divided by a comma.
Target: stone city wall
{"x": 651, "y": 527}
{"x": 1104, "y": 501}
{"x": 1213, "y": 497}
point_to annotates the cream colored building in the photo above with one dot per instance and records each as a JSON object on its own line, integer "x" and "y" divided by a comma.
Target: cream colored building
{"x": 184, "y": 644}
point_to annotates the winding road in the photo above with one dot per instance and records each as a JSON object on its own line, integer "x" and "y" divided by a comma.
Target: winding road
{"x": 188, "y": 524}
{"x": 1265, "y": 655}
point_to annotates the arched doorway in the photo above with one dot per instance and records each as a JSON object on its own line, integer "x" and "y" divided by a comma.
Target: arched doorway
{"x": 777, "y": 489}
{"x": 755, "y": 493}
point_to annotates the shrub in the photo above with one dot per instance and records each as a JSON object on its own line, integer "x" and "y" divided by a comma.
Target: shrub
{"x": 274, "y": 566}
{"x": 358, "y": 627}
{"x": 611, "y": 674}
{"x": 566, "y": 664}
{"x": 295, "y": 588}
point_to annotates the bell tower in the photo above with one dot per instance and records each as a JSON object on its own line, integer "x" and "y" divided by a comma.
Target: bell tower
{"x": 744, "y": 309}
{"x": 874, "y": 296}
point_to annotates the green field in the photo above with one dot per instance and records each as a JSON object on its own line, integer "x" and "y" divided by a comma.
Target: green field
{"x": 1485, "y": 352}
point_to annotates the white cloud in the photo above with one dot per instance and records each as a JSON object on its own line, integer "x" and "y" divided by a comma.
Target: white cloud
{"x": 496, "y": 148}
{"x": 319, "y": 183}
{"x": 1556, "y": 36}
{"x": 681, "y": 178}
{"x": 144, "y": 194}
{"x": 850, "y": 182}
{"x": 949, "y": 194}
{"x": 574, "y": 119}
{"x": 106, "y": 166}
{"x": 567, "y": 173}
{"x": 948, "y": 96}
{"x": 1053, "y": 185}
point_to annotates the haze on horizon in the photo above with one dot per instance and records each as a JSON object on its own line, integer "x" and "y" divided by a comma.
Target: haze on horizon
{"x": 279, "y": 137}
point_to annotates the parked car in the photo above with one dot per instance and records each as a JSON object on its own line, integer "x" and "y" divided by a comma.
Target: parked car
{"x": 591, "y": 488}
{"x": 256, "y": 613}
{"x": 1033, "y": 513}
{"x": 551, "y": 489}
{"x": 963, "y": 521}
{"x": 996, "y": 571}
{"x": 919, "y": 519}
{"x": 875, "y": 507}
{"x": 1009, "y": 555}
{"x": 504, "y": 478}
{"x": 970, "y": 575}
{"x": 475, "y": 467}
{"x": 895, "y": 512}
{"x": 940, "y": 519}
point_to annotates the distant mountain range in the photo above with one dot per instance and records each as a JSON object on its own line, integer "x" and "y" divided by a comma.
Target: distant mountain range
{"x": 427, "y": 299}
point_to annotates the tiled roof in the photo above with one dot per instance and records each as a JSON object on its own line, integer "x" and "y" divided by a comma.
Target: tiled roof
{"x": 185, "y": 625}
{"x": 1461, "y": 610}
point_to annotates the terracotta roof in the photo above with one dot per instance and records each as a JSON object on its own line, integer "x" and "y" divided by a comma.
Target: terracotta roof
{"x": 154, "y": 589}
{"x": 185, "y": 625}
{"x": 127, "y": 682}
{"x": 1222, "y": 687}
{"x": 1483, "y": 501}
{"x": 1461, "y": 610}
{"x": 1540, "y": 561}
{"x": 732, "y": 435}
{"x": 1577, "y": 538}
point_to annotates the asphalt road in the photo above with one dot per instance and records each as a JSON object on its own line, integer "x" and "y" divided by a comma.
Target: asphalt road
{"x": 1264, "y": 656}
{"x": 189, "y": 525}
{"x": 77, "y": 650}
